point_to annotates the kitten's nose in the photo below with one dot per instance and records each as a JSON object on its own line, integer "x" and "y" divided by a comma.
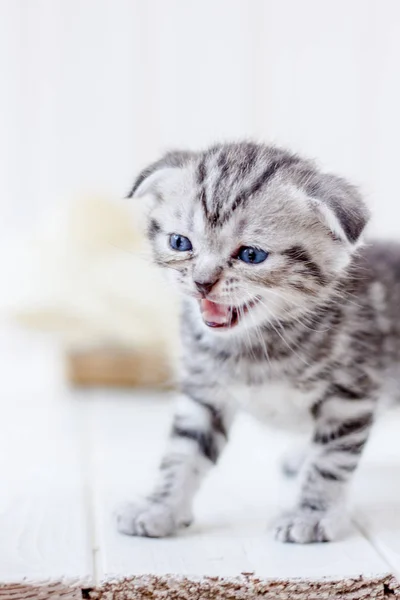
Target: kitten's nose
{"x": 205, "y": 287}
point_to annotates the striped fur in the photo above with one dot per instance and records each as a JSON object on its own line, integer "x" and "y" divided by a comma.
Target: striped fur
{"x": 318, "y": 346}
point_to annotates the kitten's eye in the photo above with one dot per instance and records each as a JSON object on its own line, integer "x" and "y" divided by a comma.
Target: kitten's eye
{"x": 251, "y": 255}
{"x": 180, "y": 242}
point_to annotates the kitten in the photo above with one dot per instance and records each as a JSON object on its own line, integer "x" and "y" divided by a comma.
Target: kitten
{"x": 283, "y": 315}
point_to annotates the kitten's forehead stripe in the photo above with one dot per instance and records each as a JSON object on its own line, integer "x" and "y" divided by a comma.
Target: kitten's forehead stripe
{"x": 200, "y": 179}
{"x": 247, "y": 193}
{"x": 203, "y": 200}
{"x": 201, "y": 171}
{"x": 233, "y": 168}
{"x": 214, "y": 179}
{"x": 225, "y": 173}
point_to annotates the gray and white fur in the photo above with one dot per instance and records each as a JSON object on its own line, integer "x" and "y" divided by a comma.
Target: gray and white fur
{"x": 316, "y": 335}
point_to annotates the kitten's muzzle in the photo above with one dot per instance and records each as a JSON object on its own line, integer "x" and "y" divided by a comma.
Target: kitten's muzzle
{"x": 205, "y": 287}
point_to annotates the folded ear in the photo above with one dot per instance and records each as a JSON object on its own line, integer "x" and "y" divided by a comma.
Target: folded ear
{"x": 339, "y": 205}
{"x": 147, "y": 180}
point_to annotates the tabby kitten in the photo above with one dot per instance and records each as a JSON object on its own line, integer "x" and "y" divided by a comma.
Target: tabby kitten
{"x": 283, "y": 315}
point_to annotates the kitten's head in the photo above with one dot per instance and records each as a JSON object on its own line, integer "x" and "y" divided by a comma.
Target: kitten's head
{"x": 252, "y": 232}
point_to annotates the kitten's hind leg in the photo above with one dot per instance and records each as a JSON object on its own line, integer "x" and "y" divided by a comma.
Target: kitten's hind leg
{"x": 343, "y": 422}
{"x": 198, "y": 435}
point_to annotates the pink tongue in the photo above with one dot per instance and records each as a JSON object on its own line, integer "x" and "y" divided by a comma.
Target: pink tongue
{"x": 214, "y": 313}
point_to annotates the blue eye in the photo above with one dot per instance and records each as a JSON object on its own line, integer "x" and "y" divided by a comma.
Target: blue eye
{"x": 180, "y": 242}
{"x": 251, "y": 255}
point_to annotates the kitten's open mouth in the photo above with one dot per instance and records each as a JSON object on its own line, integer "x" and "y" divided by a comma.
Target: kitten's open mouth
{"x": 223, "y": 315}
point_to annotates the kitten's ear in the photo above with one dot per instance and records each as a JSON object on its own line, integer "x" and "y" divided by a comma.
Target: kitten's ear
{"x": 147, "y": 180}
{"x": 340, "y": 206}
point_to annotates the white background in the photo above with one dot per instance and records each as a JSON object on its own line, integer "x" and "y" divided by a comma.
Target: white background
{"x": 90, "y": 90}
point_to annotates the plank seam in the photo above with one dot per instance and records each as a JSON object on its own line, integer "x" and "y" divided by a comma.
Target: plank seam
{"x": 371, "y": 538}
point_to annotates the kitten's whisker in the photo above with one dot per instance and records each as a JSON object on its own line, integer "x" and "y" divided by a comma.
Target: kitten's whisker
{"x": 289, "y": 300}
{"x": 284, "y": 340}
{"x": 257, "y": 332}
{"x": 297, "y": 319}
{"x": 250, "y": 346}
{"x": 306, "y": 313}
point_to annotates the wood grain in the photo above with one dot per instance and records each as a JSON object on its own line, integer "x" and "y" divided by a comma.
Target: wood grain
{"x": 44, "y": 530}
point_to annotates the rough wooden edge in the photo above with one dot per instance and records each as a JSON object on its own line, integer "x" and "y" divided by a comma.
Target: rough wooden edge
{"x": 175, "y": 587}
{"x": 56, "y": 590}
{"x": 245, "y": 587}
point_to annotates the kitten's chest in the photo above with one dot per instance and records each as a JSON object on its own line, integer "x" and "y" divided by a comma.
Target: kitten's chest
{"x": 276, "y": 402}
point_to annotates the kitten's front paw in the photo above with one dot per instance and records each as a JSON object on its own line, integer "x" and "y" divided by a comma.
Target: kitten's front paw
{"x": 305, "y": 526}
{"x": 145, "y": 518}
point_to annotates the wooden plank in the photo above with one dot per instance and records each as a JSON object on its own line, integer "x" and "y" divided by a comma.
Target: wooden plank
{"x": 44, "y": 529}
{"x": 240, "y": 497}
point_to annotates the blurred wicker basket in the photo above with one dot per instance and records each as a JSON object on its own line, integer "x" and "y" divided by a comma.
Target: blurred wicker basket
{"x": 118, "y": 368}
{"x": 88, "y": 280}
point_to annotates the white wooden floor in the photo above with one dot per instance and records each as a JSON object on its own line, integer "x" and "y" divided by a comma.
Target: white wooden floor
{"x": 68, "y": 458}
